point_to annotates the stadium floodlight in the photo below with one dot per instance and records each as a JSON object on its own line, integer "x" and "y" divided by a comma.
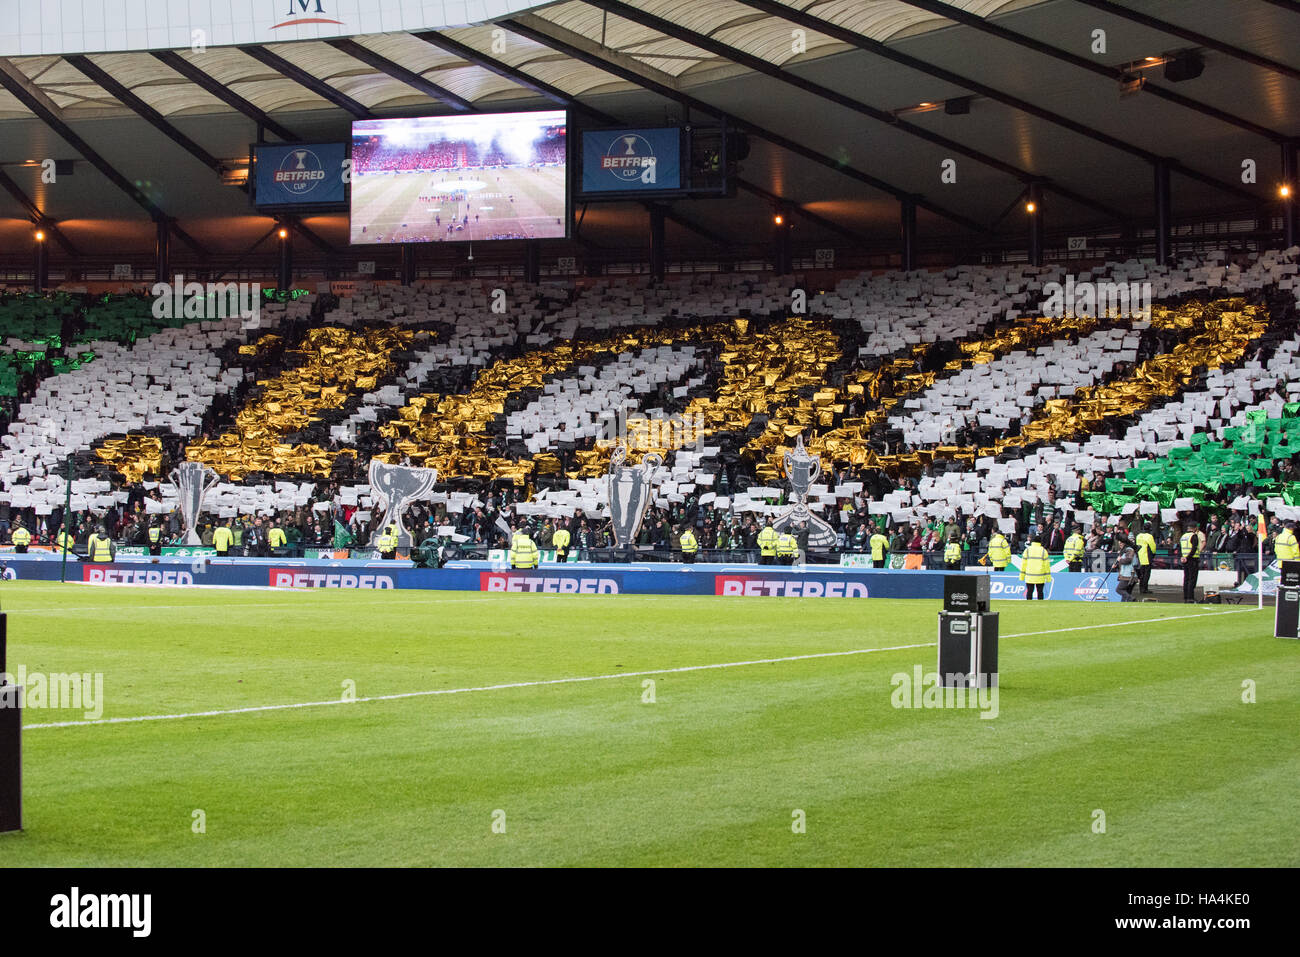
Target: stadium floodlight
{"x": 1284, "y": 191}
{"x": 1031, "y": 207}
{"x": 40, "y": 235}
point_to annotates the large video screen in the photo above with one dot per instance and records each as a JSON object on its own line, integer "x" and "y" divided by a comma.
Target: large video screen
{"x": 460, "y": 178}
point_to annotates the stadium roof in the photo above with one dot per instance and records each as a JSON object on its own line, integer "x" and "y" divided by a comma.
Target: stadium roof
{"x": 844, "y": 102}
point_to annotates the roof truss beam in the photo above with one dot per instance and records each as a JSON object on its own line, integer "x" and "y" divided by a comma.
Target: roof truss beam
{"x": 34, "y": 213}
{"x": 1113, "y": 73}
{"x": 55, "y": 121}
{"x": 631, "y": 76}
{"x": 233, "y": 100}
{"x": 308, "y": 81}
{"x": 1200, "y": 39}
{"x": 837, "y": 32}
{"x": 506, "y": 72}
{"x": 398, "y": 72}
{"x": 142, "y": 109}
{"x": 759, "y": 65}
{"x": 556, "y": 95}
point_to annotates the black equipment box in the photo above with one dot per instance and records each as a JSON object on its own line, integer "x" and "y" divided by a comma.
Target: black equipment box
{"x": 1286, "y": 613}
{"x": 1290, "y": 573}
{"x": 966, "y": 593}
{"x": 968, "y": 649}
{"x": 11, "y": 751}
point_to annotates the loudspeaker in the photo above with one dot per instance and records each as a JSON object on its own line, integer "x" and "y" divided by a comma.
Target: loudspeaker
{"x": 1290, "y": 574}
{"x": 958, "y": 106}
{"x": 1184, "y": 66}
{"x": 64, "y": 167}
{"x": 965, "y": 593}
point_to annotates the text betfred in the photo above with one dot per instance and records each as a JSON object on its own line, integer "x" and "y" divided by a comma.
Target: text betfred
{"x": 299, "y": 175}
{"x": 626, "y": 162}
{"x": 104, "y": 575}
{"x": 292, "y": 578}
{"x": 548, "y": 584}
{"x": 747, "y": 586}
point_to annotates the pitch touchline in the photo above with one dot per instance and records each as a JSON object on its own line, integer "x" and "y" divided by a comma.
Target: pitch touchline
{"x": 500, "y": 687}
{"x": 578, "y": 680}
{"x": 1139, "y": 621}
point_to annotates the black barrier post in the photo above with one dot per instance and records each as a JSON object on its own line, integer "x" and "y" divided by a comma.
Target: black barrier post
{"x": 11, "y": 752}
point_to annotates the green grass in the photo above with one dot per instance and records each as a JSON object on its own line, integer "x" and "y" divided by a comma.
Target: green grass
{"x": 1143, "y": 720}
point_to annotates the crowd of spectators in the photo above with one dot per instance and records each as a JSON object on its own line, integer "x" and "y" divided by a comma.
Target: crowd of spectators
{"x": 371, "y": 155}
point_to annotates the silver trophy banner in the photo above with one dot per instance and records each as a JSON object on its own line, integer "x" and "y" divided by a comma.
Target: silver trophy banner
{"x": 802, "y": 470}
{"x": 395, "y": 488}
{"x": 631, "y": 488}
{"x": 193, "y": 481}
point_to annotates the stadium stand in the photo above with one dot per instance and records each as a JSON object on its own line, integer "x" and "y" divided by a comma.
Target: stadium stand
{"x": 938, "y": 400}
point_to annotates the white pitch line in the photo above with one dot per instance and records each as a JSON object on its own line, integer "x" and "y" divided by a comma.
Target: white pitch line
{"x": 1139, "y": 621}
{"x": 386, "y": 601}
{"x": 502, "y": 687}
{"x": 578, "y": 680}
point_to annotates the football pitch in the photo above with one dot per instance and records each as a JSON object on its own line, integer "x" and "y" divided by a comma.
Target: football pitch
{"x": 550, "y": 730}
{"x": 458, "y": 205}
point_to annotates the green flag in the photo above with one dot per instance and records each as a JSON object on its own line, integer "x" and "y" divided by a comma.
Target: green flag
{"x": 342, "y": 537}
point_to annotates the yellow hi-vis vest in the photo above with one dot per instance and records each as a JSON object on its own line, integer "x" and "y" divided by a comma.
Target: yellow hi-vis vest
{"x": 523, "y": 552}
{"x": 952, "y": 552}
{"x": 1189, "y": 545}
{"x": 1285, "y": 546}
{"x": 879, "y": 545}
{"x": 561, "y": 538}
{"x": 999, "y": 551}
{"x": 101, "y": 549}
{"x": 1146, "y": 543}
{"x": 688, "y": 543}
{"x": 222, "y": 539}
{"x": 1074, "y": 548}
{"x": 786, "y": 545}
{"x": 767, "y": 540}
{"x": 276, "y": 538}
{"x": 1035, "y": 565}
{"x": 64, "y": 542}
{"x": 155, "y": 535}
{"x": 22, "y": 537}
{"x": 386, "y": 542}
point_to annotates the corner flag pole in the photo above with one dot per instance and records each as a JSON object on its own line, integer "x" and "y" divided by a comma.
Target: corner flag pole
{"x": 1260, "y": 533}
{"x": 67, "y": 523}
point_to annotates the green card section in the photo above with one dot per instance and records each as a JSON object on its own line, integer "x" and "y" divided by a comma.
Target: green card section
{"x": 1202, "y": 468}
{"x": 43, "y": 323}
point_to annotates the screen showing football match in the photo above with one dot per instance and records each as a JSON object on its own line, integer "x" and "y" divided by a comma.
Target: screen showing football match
{"x": 460, "y": 178}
